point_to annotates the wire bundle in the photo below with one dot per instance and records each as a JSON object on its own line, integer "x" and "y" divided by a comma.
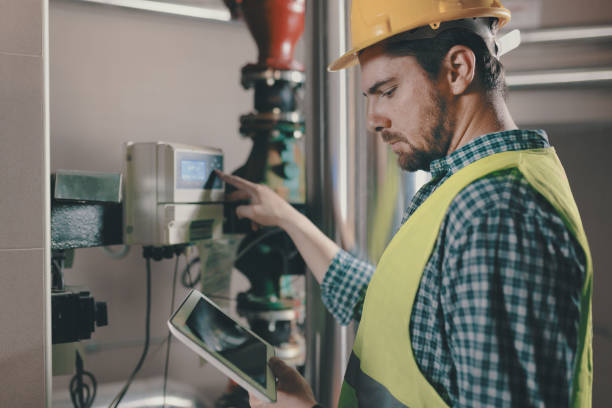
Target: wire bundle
{"x": 81, "y": 394}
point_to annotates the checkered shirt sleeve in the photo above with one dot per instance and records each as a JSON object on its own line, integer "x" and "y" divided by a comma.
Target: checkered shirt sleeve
{"x": 344, "y": 286}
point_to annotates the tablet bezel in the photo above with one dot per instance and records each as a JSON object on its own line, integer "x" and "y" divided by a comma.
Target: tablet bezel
{"x": 178, "y": 326}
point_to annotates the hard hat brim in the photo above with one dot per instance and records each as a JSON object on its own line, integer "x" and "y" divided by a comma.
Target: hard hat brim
{"x": 350, "y": 59}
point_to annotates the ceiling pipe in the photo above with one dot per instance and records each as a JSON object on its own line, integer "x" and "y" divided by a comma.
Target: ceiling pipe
{"x": 558, "y": 77}
{"x": 567, "y": 34}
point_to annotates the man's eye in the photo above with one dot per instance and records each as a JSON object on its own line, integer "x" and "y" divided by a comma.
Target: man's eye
{"x": 389, "y": 92}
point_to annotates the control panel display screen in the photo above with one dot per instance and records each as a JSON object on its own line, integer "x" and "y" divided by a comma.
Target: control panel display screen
{"x": 193, "y": 170}
{"x": 196, "y": 171}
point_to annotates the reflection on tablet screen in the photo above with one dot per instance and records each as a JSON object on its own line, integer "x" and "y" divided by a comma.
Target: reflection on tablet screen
{"x": 221, "y": 334}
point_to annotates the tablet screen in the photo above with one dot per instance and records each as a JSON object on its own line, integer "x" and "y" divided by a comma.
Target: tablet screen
{"x": 222, "y": 335}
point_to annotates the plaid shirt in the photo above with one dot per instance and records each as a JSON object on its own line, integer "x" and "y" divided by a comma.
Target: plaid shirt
{"x": 495, "y": 319}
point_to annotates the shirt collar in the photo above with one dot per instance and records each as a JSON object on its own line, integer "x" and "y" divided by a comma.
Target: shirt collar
{"x": 486, "y": 145}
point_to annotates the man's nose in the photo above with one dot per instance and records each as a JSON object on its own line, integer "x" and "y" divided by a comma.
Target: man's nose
{"x": 377, "y": 122}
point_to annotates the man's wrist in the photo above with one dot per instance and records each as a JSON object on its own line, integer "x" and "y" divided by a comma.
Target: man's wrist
{"x": 289, "y": 217}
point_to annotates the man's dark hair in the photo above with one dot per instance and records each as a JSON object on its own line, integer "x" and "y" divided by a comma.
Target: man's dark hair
{"x": 431, "y": 51}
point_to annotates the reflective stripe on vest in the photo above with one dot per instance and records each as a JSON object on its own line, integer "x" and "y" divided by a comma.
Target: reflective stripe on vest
{"x": 382, "y": 370}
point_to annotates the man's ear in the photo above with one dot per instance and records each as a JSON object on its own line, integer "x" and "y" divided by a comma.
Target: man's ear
{"x": 459, "y": 69}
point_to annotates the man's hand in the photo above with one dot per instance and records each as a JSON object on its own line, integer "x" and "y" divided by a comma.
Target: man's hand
{"x": 292, "y": 390}
{"x": 266, "y": 208}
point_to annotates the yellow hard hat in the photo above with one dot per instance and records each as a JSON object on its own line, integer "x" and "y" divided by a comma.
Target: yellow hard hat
{"x": 375, "y": 20}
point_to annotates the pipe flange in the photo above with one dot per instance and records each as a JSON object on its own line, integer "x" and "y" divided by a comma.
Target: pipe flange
{"x": 272, "y": 117}
{"x": 274, "y": 134}
{"x": 290, "y": 351}
{"x": 269, "y": 122}
{"x": 270, "y": 315}
{"x": 274, "y": 131}
{"x": 252, "y": 75}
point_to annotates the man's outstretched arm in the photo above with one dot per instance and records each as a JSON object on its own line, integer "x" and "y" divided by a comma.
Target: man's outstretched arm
{"x": 268, "y": 209}
{"x": 342, "y": 276}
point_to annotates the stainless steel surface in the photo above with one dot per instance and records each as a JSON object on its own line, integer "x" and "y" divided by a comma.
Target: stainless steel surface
{"x": 346, "y": 170}
{"x": 327, "y": 168}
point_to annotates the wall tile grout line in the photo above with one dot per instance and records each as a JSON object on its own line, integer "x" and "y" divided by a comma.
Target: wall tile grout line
{"x": 17, "y": 54}
{"x": 19, "y": 249}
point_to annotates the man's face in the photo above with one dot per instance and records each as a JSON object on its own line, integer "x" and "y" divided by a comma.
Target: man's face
{"x": 405, "y": 107}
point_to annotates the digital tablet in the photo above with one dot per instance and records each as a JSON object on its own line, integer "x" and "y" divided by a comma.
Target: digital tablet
{"x": 239, "y": 353}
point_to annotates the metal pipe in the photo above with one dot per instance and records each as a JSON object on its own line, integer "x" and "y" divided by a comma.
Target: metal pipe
{"x": 327, "y": 173}
{"x": 566, "y": 34}
{"x": 557, "y": 77}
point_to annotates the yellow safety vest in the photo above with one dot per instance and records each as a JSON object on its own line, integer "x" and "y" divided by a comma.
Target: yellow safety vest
{"x": 382, "y": 370}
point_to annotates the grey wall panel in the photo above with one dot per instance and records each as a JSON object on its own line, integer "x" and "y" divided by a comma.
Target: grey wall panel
{"x": 22, "y": 348}
{"x": 557, "y": 13}
{"x": 21, "y": 27}
{"x": 558, "y": 105}
{"x": 21, "y": 155}
{"x": 23, "y": 294}
{"x": 119, "y": 74}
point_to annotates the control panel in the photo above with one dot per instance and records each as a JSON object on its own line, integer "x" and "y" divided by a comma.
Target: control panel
{"x": 172, "y": 194}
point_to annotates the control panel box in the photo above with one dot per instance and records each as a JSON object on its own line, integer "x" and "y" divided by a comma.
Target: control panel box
{"x": 172, "y": 195}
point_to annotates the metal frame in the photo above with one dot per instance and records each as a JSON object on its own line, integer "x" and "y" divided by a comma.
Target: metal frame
{"x": 210, "y": 13}
{"x": 558, "y": 77}
{"x": 567, "y": 34}
{"x": 576, "y": 76}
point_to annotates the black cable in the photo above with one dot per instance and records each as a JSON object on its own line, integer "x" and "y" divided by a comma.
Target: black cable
{"x": 80, "y": 393}
{"x": 187, "y": 274}
{"x": 169, "y": 340}
{"x": 260, "y": 238}
{"x": 57, "y": 271}
{"x": 187, "y": 271}
{"x": 125, "y": 388}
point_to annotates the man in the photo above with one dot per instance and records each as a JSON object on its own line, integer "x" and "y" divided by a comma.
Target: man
{"x": 483, "y": 296}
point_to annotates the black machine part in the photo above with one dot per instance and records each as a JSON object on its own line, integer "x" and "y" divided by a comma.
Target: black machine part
{"x": 86, "y": 210}
{"x": 75, "y": 315}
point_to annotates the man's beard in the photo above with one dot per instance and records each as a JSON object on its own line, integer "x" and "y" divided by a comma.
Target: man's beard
{"x": 435, "y": 132}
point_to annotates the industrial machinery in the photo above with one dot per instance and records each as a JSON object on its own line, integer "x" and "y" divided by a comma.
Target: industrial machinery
{"x": 172, "y": 195}
{"x": 276, "y": 159}
{"x": 272, "y": 306}
{"x": 168, "y": 196}
{"x": 85, "y": 212}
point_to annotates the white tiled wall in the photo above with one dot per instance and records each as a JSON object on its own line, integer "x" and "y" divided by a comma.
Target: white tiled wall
{"x": 23, "y": 297}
